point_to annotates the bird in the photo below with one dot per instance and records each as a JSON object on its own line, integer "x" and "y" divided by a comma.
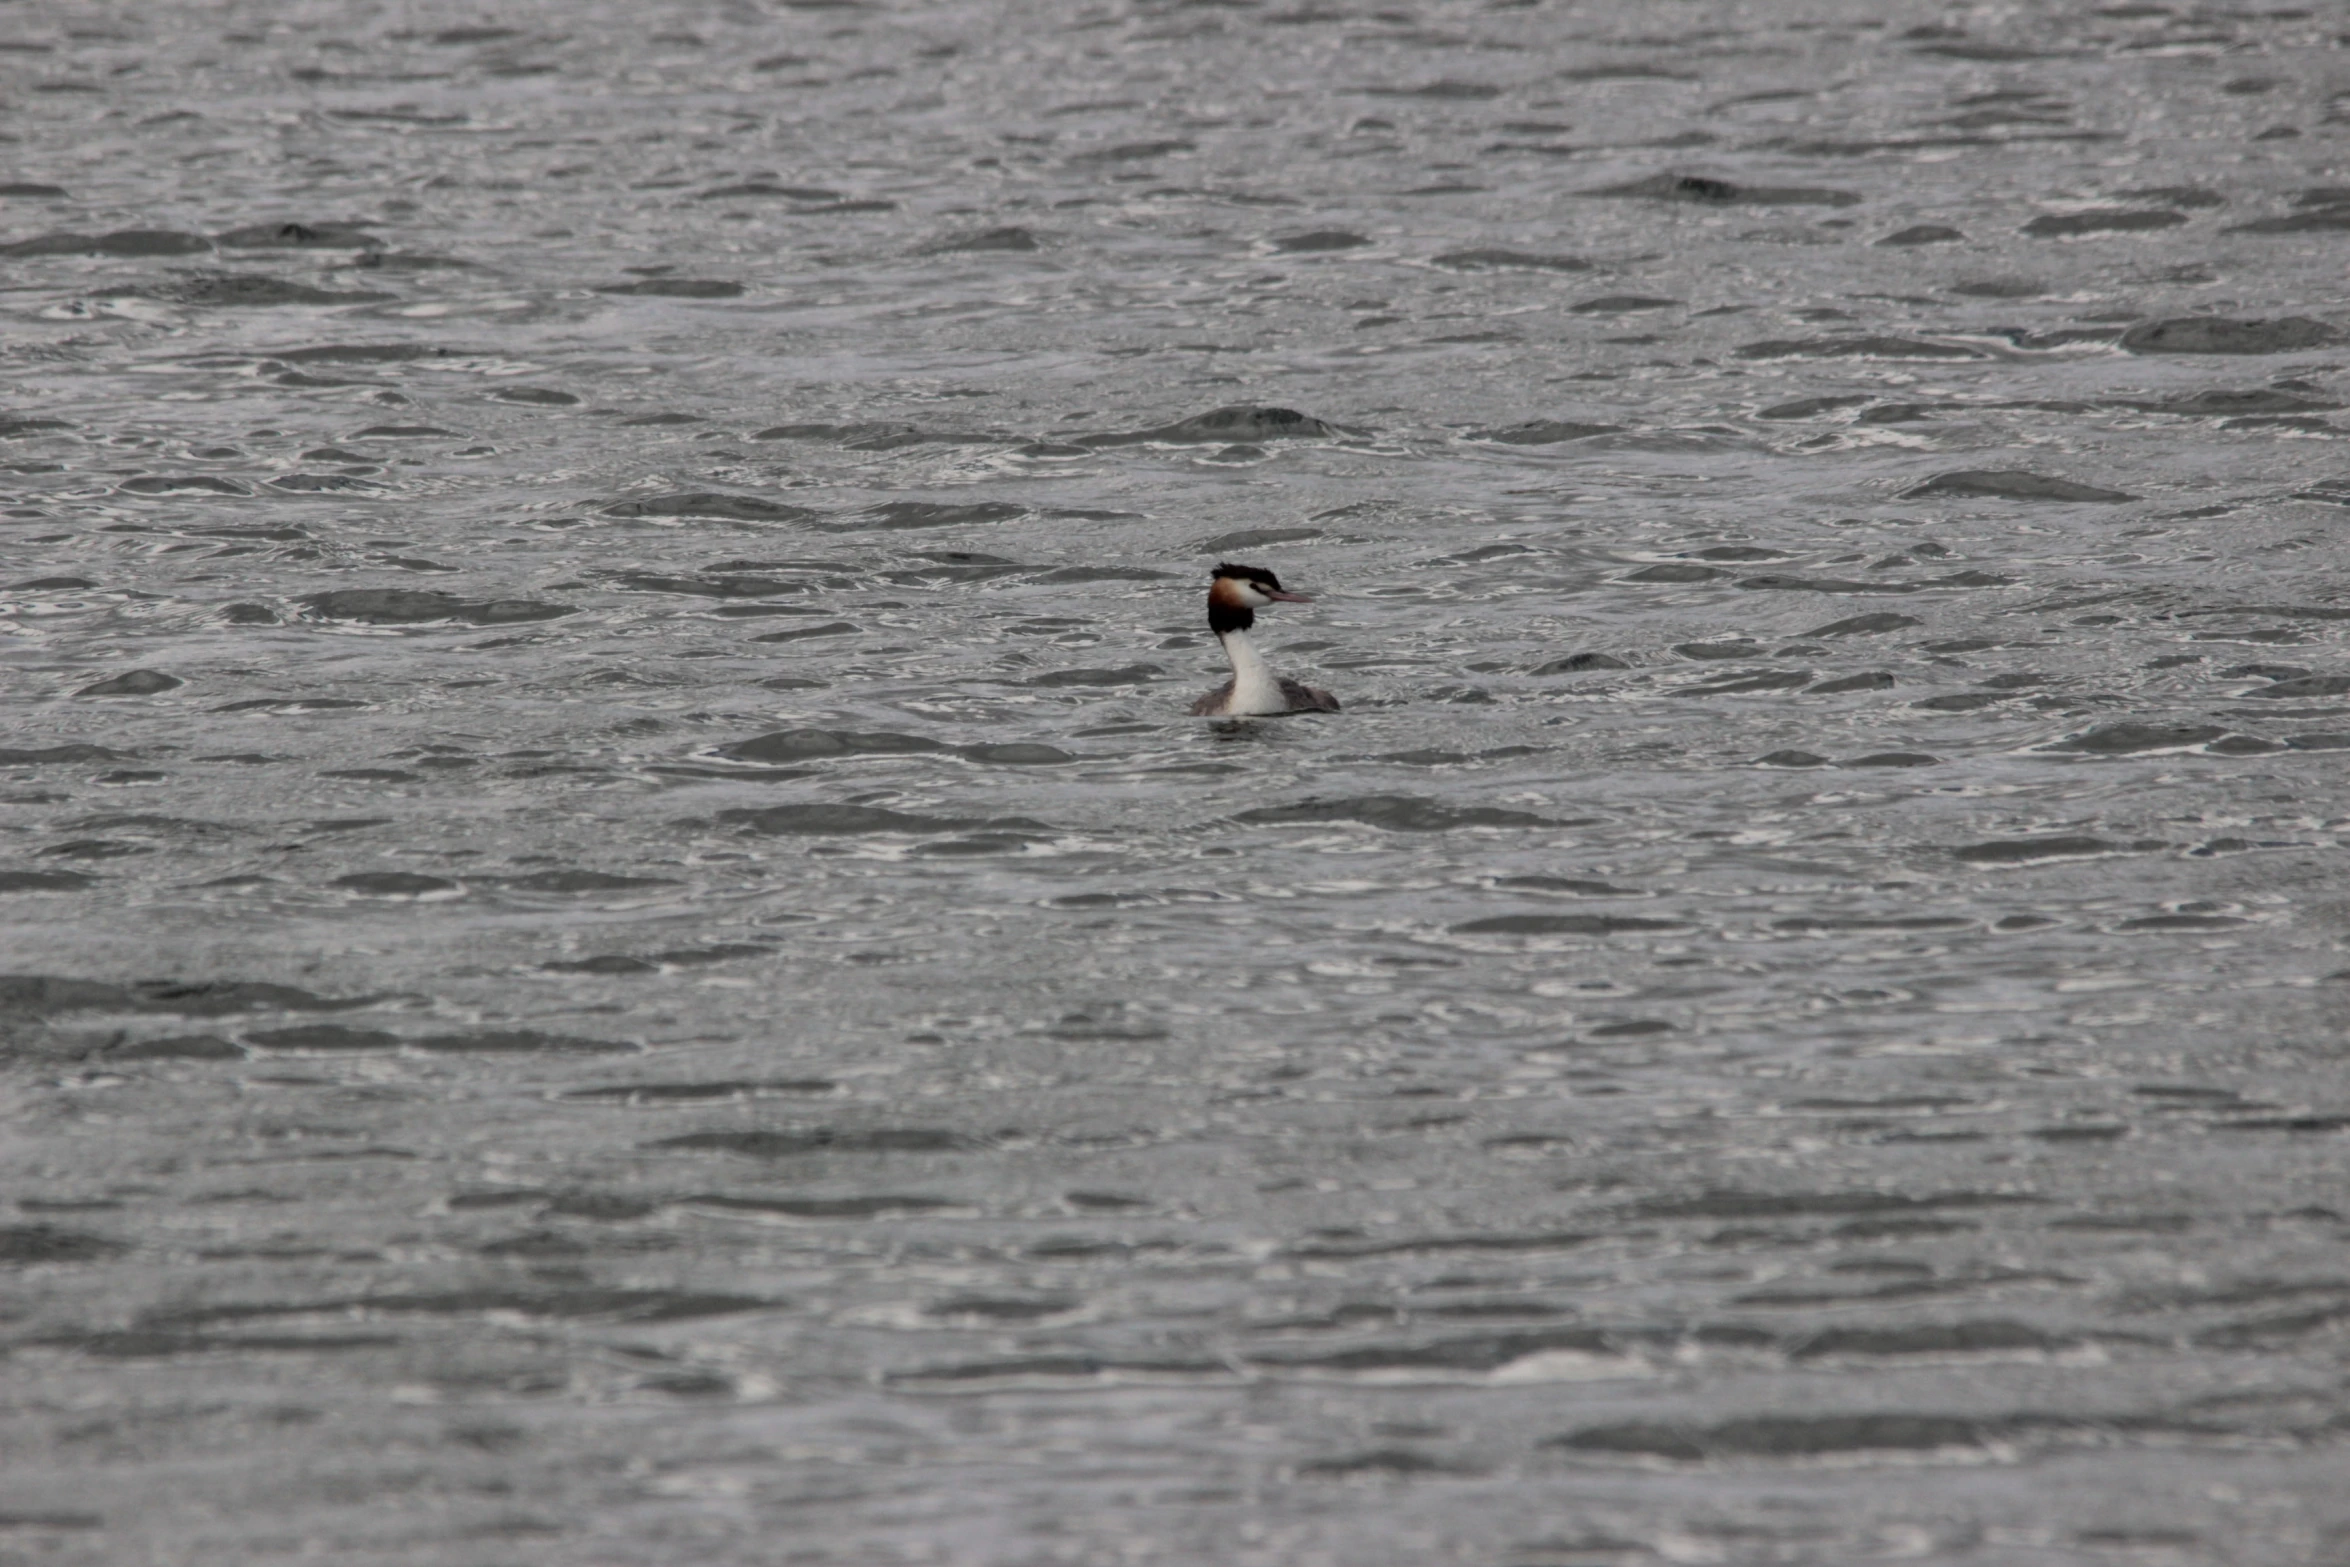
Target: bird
{"x": 1235, "y": 594}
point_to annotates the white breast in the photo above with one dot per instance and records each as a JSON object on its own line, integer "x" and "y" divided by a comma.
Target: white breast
{"x": 1254, "y": 689}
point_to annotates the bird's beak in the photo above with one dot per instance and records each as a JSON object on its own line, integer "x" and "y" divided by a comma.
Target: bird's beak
{"x": 1285, "y": 598}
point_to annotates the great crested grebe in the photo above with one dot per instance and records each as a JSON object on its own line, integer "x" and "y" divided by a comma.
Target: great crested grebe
{"x": 1234, "y": 596}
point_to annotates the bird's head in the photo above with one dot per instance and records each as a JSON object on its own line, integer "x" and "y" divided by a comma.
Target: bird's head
{"x": 1248, "y": 587}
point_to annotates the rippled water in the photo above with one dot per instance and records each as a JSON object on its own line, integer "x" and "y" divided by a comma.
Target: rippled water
{"x": 623, "y": 953}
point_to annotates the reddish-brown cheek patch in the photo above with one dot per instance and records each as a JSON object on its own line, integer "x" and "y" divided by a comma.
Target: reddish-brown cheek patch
{"x": 1226, "y": 591}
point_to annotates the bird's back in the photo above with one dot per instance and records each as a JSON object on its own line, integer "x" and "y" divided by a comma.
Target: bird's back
{"x": 1308, "y": 699}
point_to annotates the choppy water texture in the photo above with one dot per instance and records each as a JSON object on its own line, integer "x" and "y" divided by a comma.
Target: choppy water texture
{"x": 623, "y": 954}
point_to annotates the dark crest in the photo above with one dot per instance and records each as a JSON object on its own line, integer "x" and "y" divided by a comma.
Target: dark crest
{"x": 1256, "y": 574}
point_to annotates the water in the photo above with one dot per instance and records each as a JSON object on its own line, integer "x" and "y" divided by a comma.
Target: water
{"x": 1792, "y": 1018}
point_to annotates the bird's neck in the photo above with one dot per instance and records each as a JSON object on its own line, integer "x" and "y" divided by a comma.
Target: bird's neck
{"x": 1254, "y": 690}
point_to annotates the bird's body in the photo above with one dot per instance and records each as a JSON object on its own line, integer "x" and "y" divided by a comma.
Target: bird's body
{"x": 1289, "y": 696}
{"x": 1234, "y": 596}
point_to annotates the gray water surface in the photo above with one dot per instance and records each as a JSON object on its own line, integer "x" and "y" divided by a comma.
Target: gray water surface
{"x": 620, "y": 952}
